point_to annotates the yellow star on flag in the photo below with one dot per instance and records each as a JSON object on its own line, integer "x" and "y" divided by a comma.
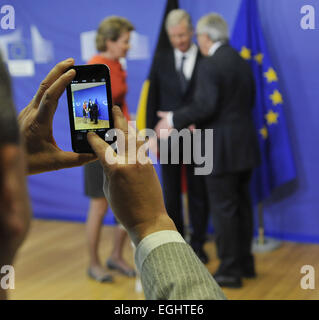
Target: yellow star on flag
{"x": 264, "y": 132}
{"x": 259, "y": 58}
{"x": 271, "y": 75}
{"x": 276, "y": 97}
{"x": 272, "y": 117}
{"x": 245, "y": 53}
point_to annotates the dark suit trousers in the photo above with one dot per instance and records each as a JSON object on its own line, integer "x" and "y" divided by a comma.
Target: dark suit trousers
{"x": 197, "y": 201}
{"x": 230, "y": 205}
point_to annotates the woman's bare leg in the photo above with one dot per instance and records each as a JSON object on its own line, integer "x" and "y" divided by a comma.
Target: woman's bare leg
{"x": 97, "y": 211}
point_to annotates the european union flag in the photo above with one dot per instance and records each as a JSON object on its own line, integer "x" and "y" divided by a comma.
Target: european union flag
{"x": 277, "y": 165}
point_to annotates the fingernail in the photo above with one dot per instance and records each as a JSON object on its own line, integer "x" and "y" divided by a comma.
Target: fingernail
{"x": 70, "y": 73}
{"x": 69, "y": 60}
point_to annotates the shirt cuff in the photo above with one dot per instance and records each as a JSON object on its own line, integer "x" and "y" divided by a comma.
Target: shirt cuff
{"x": 170, "y": 119}
{"x": 152, "y": 241}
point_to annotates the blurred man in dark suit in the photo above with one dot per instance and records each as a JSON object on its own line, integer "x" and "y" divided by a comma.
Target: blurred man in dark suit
{"x": 224, "y": 100}
{"x": 172, "y": 86}
{"x": 14, "y": 202}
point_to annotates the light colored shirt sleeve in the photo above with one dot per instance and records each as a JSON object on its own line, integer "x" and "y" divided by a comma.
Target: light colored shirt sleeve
{"x": 170, "y": 269}
{"x": 170, "y": 119}
{"x": 152, "y": 241}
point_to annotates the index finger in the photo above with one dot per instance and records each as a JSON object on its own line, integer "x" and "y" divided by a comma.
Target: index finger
{"x": 50, "y": 99}
{"x": 53, "y": 75}
{"x": 100, "y": 147}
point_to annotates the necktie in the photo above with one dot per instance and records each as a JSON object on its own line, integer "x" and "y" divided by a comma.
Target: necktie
{"x": 182, "y": 77}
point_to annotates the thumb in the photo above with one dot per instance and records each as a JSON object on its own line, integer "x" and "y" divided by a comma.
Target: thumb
{"x": 99, "y": 146}
{"x": 72, "y": 159}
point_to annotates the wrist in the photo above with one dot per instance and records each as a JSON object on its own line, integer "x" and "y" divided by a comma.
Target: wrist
{"x": 142, "y": 230}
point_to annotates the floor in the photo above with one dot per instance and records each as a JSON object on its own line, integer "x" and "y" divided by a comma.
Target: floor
{"x": 85, "y": 124}
{"x": 52, "y": 265}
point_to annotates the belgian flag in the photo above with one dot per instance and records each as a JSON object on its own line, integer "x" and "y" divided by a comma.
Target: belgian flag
{"x": 162, "y": 43}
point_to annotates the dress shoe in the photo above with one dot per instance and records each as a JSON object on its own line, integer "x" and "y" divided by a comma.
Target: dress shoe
{"x": 250, "y": 274}
{"x": 100, "y": 278}
{"x": 248, "y": 271}
{"x": 228, "y": 281}
{"x": 201, "y": 255}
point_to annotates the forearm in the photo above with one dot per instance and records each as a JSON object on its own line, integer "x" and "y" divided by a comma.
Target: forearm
{"x": 170, "y": 269}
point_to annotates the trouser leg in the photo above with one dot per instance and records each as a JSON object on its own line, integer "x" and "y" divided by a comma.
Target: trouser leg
{"x": 246, "y": 224}
{"x": 198, "y": 207}
{"x": 224, "y": 201}
{"x": 171, "y": 179}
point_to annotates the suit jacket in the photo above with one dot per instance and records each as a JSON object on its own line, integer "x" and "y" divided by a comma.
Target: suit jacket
{"x": 172, "y": 271}
{"x": 90, "y": 106}
{"x": 95, "y": 108}
{"x": 165, "y": 92}
{"x": 224, "y": 99}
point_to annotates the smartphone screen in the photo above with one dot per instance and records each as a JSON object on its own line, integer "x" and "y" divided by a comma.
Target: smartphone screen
{"x": 90, "y": 104}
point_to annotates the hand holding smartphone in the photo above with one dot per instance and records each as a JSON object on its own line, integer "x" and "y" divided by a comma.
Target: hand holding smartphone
{"x": 90, "y": 104}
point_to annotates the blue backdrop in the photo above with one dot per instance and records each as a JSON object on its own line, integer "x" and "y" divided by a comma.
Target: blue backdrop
{"x": 97, "y": 93}
{"x": 48, "y": 32}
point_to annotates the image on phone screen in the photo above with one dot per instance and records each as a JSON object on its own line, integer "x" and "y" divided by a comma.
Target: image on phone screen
{"x": 90, "y": 106}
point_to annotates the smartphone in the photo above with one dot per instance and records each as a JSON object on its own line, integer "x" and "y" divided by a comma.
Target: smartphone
{"x": 90, "y": 104}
